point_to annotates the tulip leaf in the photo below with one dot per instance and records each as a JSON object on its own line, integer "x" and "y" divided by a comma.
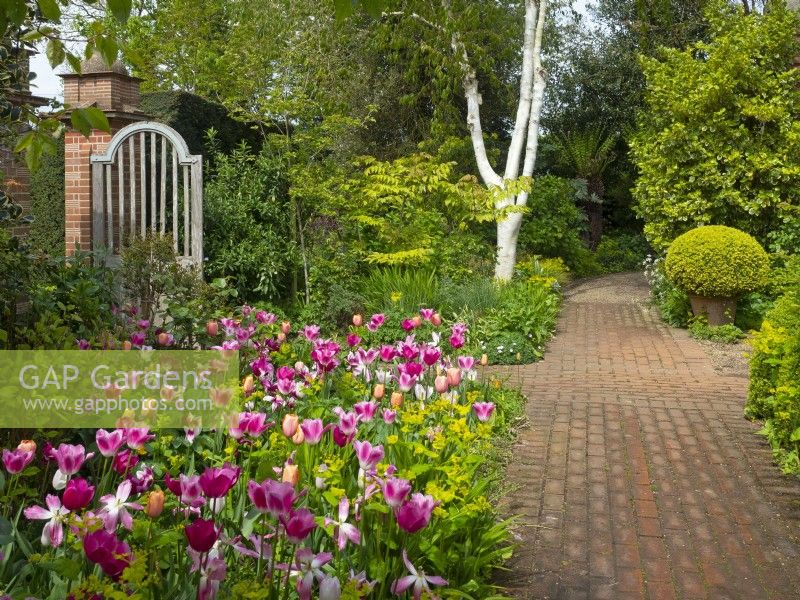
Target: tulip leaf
{"x": 6, "y": 531}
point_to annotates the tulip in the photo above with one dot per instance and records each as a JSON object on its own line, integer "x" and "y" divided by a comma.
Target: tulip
{"x": 248, "y": 387}
{"x": 281, "y": 337}
{"x": 109, "y": 443}
{"x": 353, "y": 340}
{"x": 483, "y": 410}
{"x": 55, "y": 515}
{"x": 124, "y": 462}
{"x": 367, "y": 454}
{"x": 344, "y": 531}
{"x": 115, "y": 508}
{"x": 298, "y": 438}
{"x": 358, "y": 320}
{"x": 298, "y": 525}
{"x": 416, "y": 320}
{"x": 396, "y": 400}
{"x": 395, "y": 491}
{"x": 466, "y": 363}
{"x": 78, "y": 494}
{"x": 108, "y": 551}
{"x": 419, "y": 580}
{"x": 430, "y": 355}
{"x": 291, "y": 474}
{"x": 290, "y": 424}
{"x": 366, "y": 410}
{"x": 126, "y": 345}
{"x": 155, "y": 503}
{"x": 137, "y": 437}
{"x": 436, "y": 319}
{"x": 273, "y": 497}
{"x": 202, "y": 534}
{"x": 415, "y": 514}
{"x": 340, "y": 438}
{"x": 212, "y": 328}
{"x": 217, "y": 481}
{"x": 27, "y": 446}
{"x": 454, "y": 376}
{"x": 70, "y": 458}
{"x": 16, "y": 460}
{"x": 406, "y": 382}
{"x": 165, "y": 339}
{"x": 426, "y": 313}
{"x": 379, "y": 391}
{"x": 312, "y": 430}
{"x": 484, "y": 359}
{"x": 286, "y": 327}
{"x": 441, "y": 384}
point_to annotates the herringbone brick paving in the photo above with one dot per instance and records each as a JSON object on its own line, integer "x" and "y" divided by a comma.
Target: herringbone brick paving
{"x": 637, "y": 475}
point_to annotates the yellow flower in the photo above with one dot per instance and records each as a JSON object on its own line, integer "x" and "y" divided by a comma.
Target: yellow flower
{"x": 391, "y": 440}
{"x": 395, "y": 297}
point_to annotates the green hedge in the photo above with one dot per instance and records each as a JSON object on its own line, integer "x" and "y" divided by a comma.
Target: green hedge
{"x": 774, "y": 393}
{"x": 47, "y": 204}
{"x": 192, "y": 116}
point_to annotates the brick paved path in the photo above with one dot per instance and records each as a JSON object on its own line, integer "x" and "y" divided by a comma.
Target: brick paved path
{"x": 637, "y": 476}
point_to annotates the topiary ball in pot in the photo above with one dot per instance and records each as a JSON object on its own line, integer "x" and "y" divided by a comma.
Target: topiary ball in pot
{"x": 716, "y": 265}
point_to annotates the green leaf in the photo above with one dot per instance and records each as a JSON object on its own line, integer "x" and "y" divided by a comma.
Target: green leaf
{"x": 16, "y": 11}
{"x": 55, "y": 52}
{"x": 80, "y": 121}
{"x": 97, "y": 119}
{"x": 344, "y": 8}
{"x": 795, "y": 437}
{"x": 74, "y": 62}
{"x": 121, "y": 9}
{"x": 50, "y": 10}
{"x": 374, "y": 7}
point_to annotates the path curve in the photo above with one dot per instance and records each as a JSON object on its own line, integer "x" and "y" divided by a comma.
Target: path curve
{"x": 636, "y": 475}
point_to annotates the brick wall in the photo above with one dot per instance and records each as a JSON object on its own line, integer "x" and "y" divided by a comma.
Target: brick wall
{"x": 16, "y": 184}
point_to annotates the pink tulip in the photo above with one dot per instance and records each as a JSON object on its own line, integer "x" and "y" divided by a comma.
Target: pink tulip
{"x": 430, "y": 355}
{"x": 389, "y": 416}
{"x": 107, "y": 550}
{"x": 366, "y": 410}
{"x": 441, "y": 384}
{"x": 311, "y": 332}
{"x": 408, "y": 324}
{"x": 406, "y": 382}
{"x": 387, "y": 353}
{"x": 358, "y": 320}
{"x": 395, "y": 491}
{"x": 348, "y": 422}
{"x": 466, "y": 363}
{"x": 136, "y": 437}
{"x": 70, "y": 458}
{"x": 124, "y": 462}
{"x": 426, "y": 313}
{"x": 16, "y": 460}
{"x": 273, "y": 497}
{"x": 115, "y": 508}
{"x": 454, "y": 376}
{"x": 55, "y": 514}
{"x": 415, "y": 514}
{"x": 483, "y": 410}
{"x": 250, "y": 424}
{"x": 419, "y": 580}
{"x": 353, "y": 340}
{"x": 109, "y": 443}
{"x": 344, "y": 531}
{"x": 367, "y": 454}
{"x": 312, "y": 430}
{"x": 212, "y": 328}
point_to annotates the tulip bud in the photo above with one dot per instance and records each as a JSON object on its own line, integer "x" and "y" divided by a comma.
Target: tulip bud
{"x": 358, "y": 320}
{"x": 417, "y": 320}
{"x": 155, "y": 503}
{"x": 484, "y": 359}
{"x": 163, "y": 339}
{"x": 281, "y": 337}
{"x": 248, "y": 387}
{"x": 212, "y": 328}
{"x": 290, "y": 425}
{"x": 440, "y": 384}
{"x": 286, "y": 327}
{"x": 298, "y": 437}
{"x": 291, "y": 474}
{"x": 27, "y": 446}
{"x": 126, "y": 345}
{"x": 436, "y": 319}
{"x": 397, "y": 399}
{"x": 379, "y": 392}
{"x": 454, "y": 376}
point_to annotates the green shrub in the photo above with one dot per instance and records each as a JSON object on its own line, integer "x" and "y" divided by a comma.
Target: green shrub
{"x": 509, "y": 348}
{"x": 774, "y": 393}
{"x": 46, "y": 232}
{"x": 672, "y": 302}
{"x": 621, "y": 252}
{"x": 717, "y": 261}
{"x": 554, "y": 225}
{"x": 724, "y": 334}
{"x": 248, "y": 225}
{"x": 544, "y": 269}
{"x": 405, "y": 289}
{"x": 583, "y": 262}
{"x": 477, "y": 295}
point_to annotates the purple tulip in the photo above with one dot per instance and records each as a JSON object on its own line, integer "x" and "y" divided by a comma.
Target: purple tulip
{"x": 217, "y": 481}
{"x": 415, "y": 514}
{"x": 389, "y": 416}
{"x": 387, "y": 353}
{"x": 430, "y": 355}
{"x": 465, "y": 363}
{"x": 407, "y": 324}
{"x": 298, "y": 524}
{"x": 366, "y": 410}
{"x": 55, "y": 515}
{"x": 124, "y": 462}
{"x": 353, "y": 340}
{"x": 426, "y": 313}
{"x": 136, "y": 437}
{"x": 78, "y": 494}
{"x": 108, "y": 551}
{"x": 311, "y": 332}
{"x": 202, "y": 534}
{"x": 109, "y": 443}
{"x": 70, "y": 458}
{"x": 16, "y": 460}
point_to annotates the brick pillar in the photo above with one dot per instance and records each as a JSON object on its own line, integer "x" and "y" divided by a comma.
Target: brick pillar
{"x": 116, "y": 93}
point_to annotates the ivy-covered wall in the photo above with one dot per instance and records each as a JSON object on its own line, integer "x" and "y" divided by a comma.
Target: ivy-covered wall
{"x": 192, "y": 116}
{"x": 47, "y": 203}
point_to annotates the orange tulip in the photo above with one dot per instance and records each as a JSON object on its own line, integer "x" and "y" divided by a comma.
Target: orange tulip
{"x": 27, "y": 446}
{"x": 379, "y": 392}
{"x": 397, "y": 399}
{"x": 155, "y": 503}
{"x": 436, "y": 319}
{"x": 248, "y": 387}
{"x": 358, "y": 320}
{"x": 454, "y": 376}
{"x": 484, "y": 359}
{"x": 290, "y": 425}
{"x": 291, "y": 474}
{"x": 298, "y": 437}
{"x": 212, "y": 328}
{"x": 440, "y": 384}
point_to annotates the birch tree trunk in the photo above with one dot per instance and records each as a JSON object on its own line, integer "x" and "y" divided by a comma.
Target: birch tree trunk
{"x": 525, "y": 133}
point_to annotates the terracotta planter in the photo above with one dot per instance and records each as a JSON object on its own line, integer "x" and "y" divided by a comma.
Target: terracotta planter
{"x": 718, "y": 311}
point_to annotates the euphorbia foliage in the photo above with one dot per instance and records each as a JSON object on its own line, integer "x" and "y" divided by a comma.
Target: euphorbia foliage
{"x": 352, "y": 471}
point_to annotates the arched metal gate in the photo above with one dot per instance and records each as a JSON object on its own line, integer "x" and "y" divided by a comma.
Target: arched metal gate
{"x": 147, "y": 181}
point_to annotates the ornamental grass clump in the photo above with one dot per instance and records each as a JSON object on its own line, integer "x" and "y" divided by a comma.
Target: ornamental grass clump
{"x": 717, "y": 262}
